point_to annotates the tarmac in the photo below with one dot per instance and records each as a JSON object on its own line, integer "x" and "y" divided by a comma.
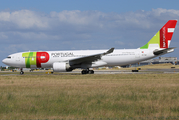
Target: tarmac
{"x": 147, "y": 71}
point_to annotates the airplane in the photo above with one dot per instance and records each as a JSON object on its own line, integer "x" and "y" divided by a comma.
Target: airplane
{"x": 65, "y": 61}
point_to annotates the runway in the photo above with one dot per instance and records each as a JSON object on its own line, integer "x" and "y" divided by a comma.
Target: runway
{"x": 146, "y": 71}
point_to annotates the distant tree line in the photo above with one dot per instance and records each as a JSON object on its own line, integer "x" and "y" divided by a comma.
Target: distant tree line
{"x": 9, "y": 68}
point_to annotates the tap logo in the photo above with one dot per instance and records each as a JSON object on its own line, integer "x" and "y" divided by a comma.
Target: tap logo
{"x": 164, "y": 39}
{"x": 35, "y": 59}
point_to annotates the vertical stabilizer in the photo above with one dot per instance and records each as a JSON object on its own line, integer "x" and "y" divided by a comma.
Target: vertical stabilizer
{"x": 163, "y": 37}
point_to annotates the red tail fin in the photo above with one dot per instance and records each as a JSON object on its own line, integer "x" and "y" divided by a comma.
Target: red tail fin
{"x": 166, "y": 33}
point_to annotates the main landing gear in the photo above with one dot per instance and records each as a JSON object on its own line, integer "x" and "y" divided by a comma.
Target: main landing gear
{"x": 21, "y": 71}
{"x": 87, "y": 71}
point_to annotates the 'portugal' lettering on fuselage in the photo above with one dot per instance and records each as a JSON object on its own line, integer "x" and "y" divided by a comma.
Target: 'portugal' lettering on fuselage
{"x": 61, "y": 54}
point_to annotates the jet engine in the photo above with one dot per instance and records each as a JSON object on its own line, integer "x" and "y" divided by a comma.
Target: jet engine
{"x": 61, "y": 67}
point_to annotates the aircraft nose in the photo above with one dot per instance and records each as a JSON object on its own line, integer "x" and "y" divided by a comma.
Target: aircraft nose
{"x": 4, "y": 61}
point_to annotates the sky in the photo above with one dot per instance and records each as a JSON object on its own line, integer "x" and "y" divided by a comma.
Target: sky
{"x": 44, "y": 25}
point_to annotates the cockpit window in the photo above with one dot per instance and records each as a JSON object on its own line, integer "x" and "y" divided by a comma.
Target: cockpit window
{"x": 9, "y": 57}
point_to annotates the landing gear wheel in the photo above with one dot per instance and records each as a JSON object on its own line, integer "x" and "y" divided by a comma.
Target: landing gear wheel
{"x": 87, "y": 72}
{"x": 21, "y": 72}
{"x": 84, "y": 72}
{"x": 91, "y": 72}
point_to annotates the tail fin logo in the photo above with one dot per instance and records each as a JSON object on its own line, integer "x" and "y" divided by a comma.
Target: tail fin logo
{"x": 163, "y": 37}
{"x": 166, "y": 33}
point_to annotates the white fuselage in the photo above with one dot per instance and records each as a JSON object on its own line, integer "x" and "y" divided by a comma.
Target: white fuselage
{"x": 119, "y": 57}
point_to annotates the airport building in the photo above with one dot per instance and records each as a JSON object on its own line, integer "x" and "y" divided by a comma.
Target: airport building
{"x": 161, "y": 60}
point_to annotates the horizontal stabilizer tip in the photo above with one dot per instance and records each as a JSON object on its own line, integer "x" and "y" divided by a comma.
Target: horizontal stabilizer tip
{"x": 160, "y": 52}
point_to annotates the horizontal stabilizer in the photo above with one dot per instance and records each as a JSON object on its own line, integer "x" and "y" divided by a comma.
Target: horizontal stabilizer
{"x": 164, "y": 51}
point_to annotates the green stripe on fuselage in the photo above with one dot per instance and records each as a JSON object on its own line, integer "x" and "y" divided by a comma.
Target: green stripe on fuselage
{"x": 30, "y": 58}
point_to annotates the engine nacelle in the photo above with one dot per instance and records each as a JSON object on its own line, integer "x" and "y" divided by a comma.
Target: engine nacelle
{"x": 61, "y": 67}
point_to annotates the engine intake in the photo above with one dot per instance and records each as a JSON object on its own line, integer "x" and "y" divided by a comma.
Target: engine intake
{"x": 61, "y": 67}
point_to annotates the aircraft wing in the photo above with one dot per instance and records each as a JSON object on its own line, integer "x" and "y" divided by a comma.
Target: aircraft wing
{"x": 161, "y": 52}
{"x": 89, "y": 58}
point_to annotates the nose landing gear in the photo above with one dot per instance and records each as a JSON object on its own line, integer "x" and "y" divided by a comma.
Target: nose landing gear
{"x": 21, "y": 71}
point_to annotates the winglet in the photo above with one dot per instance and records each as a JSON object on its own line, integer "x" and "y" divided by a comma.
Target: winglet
{"x": 109, "y": 51}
